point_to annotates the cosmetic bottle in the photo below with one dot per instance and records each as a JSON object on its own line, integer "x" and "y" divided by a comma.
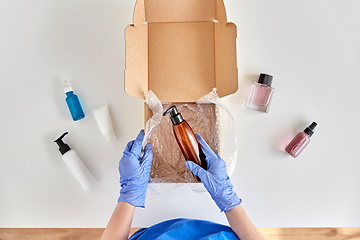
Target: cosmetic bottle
{"x": 75, "y": 164}
{"x": 261, "y": 94}
{"x": 186, "y": 139}
{"x": 300, "y": 141}
{"x": 73, "y": 103}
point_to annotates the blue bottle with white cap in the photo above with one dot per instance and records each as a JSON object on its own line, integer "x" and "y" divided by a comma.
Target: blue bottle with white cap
{"x": 73, "y": 103}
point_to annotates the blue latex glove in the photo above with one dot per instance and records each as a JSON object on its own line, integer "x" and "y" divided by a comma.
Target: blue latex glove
{"x": 134, "y": 173}
{"x": 215, "y": 178}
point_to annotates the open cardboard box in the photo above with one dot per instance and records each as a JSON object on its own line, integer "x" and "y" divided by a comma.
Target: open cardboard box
{"x": 181, "y": 50}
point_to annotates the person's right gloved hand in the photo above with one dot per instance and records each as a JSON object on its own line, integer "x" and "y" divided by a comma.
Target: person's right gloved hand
{"x": 134, "y": 174}
{"x": 215, "y": 178}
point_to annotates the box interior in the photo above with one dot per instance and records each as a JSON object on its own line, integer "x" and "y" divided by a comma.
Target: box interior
{"x": 168, "y": 162}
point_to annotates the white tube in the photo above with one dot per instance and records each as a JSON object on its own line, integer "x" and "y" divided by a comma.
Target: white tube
{"x": 102, "y": 117}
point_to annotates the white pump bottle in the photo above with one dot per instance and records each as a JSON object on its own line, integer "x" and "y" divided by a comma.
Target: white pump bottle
{"x": 75, "y": 165}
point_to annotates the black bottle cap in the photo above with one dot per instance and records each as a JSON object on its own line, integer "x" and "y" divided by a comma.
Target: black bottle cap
{"x": 310, "y": 129}
{"x": 265, "y": 79}
{"x": 63, "y": 147}
{"x": 175, "y": 116}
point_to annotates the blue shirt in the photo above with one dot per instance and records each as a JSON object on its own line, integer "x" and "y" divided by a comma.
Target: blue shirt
{"x": 185, "y": 229}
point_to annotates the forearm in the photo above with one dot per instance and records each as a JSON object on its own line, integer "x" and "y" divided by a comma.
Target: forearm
{"x": 119, "y": 224}
{"x": 242, "y": 225}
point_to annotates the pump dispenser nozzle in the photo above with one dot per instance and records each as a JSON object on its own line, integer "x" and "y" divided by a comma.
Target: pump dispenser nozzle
{"x": 175, "y": 116}
{"x": 310, "y": 129}
{"x": 63, "y": 147}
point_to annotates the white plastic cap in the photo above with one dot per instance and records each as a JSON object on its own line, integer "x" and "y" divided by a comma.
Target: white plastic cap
{"x": 68, "y": 89}
{"x": 110, "y": 137}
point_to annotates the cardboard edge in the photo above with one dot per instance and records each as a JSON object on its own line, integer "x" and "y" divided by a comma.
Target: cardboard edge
{"x": 136, "y": 59}
{"x": 147, "y": 114}
{"x": 220, "y": 11}
{"x": 139, "y": 13}
{"x": 226, "y": 59}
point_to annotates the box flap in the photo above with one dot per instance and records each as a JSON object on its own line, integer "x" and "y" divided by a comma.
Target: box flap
{"x": 225, "y": 59}
{"x": 152, "y": 11}
{"x": 180, "y": 61}
{"x": 136, "y": 72}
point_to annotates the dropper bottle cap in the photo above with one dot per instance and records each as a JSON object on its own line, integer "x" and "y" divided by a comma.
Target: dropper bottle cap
{"x": 67, "y": 87}
{"x": 175, "y": 116}
{"x": 63, "y": 147}
{"x": 310, "y": 129}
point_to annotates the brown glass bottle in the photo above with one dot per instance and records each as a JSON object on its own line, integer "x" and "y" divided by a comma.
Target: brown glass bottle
{"x": 186, "y": 139}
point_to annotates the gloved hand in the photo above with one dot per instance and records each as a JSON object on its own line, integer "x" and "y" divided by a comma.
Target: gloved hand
{"x": 134, "y": 172}
{"x": 215, "y": 178}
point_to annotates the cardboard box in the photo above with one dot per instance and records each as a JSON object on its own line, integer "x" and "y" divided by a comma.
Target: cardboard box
{"x": 181, "y": 50}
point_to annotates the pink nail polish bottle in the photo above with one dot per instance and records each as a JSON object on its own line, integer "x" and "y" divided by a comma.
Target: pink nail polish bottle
{"x": 261, "y": 94}
{"x": 300, "y": 141}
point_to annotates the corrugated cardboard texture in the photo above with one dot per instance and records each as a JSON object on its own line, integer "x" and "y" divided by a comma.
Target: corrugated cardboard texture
{"x": 151, "y": 11}
{"x": 225, "y": 59}
{"x": 180, "y": 10}
{"x": 182, "y": 60}
{"x": 180, "y": 53}
{"x": 136, "y": 72}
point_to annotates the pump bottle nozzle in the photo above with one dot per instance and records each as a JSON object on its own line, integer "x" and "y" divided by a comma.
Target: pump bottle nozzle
{"x": 175, "y": 116}
{"x": 59, "y": 140}
{"x": 63, "y": 147}
{"x": 310, "y": 129}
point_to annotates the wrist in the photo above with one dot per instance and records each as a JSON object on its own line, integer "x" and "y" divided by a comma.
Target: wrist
{"x": 126, "y": 206}
{"x": 228, "y": 200}
{"x": 136, "y": 199}
{"x": 132, "y": 194}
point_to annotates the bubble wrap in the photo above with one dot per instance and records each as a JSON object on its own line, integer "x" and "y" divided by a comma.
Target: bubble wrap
{"x": 207, "y": 117}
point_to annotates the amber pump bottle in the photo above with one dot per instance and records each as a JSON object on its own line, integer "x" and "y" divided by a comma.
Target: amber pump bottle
{"x": 186, "y": 139}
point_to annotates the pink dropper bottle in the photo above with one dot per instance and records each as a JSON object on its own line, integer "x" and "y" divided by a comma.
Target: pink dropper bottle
{"x": 300, "y": 141}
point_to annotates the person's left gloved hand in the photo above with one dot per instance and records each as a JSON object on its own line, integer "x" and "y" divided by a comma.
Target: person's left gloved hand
{"x": 134, "y": 172}
{"x": 215, "y": 178}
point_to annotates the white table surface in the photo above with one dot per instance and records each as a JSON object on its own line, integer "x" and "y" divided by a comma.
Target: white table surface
{"x": 312, "y": 48}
